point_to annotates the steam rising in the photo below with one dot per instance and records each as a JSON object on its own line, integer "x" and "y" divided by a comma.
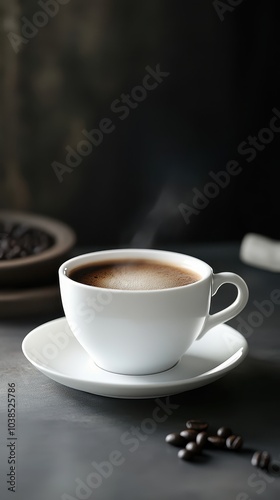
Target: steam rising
{"x": 164, "y": 208}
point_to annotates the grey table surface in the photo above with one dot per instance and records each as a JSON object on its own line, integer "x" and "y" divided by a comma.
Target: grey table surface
{"x": 63, "y": 433}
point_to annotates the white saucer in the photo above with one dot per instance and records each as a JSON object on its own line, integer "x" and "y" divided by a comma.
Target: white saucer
{"x": 53, "y": 349}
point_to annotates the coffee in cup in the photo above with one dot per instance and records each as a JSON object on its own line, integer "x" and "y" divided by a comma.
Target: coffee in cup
{"x": 134, "y": 274}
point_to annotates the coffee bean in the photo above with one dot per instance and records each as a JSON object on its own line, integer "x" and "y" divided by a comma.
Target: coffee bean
{"x": 19, "y": 230}
{"x": 274, "y": 469}
{"x": 234, "y": 442}
{"x": 17, "y": 240}
{"x": 197, "y": 425}
{"x": 193, "y": 439}
{"x": 261, "y": 459}
{"x": 13, "y": 252}
{"x": 193, "y": 448}
{"x": 189, "y": 434}
{"x": 185, "y": 454}
{"x": 201, "y": 439}
{"x": 176, "y": 440}
{"x": 224, "y": 432}
{"x": 216, "y": 441}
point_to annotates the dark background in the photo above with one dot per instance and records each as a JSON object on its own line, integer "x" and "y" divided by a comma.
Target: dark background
{"x": 223, "y": 84}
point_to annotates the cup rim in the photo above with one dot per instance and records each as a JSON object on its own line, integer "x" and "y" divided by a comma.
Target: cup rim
{"x": 134, "y": 252}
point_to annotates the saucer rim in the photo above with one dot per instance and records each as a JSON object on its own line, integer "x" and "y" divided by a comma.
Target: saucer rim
{"x": 121, "y": 382}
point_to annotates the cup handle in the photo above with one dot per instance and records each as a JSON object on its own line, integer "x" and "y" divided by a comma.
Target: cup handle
{"x": 232, "y": 310}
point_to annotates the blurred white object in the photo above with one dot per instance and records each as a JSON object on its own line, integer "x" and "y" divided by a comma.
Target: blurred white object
{"x": 259, "y": 251}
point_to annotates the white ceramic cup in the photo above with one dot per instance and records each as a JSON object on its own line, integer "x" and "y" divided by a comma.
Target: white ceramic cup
{"x": 140, "y": 332}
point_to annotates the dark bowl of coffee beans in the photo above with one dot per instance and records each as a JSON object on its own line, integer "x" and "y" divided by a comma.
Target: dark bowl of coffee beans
{"x": 32, "y": 247}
